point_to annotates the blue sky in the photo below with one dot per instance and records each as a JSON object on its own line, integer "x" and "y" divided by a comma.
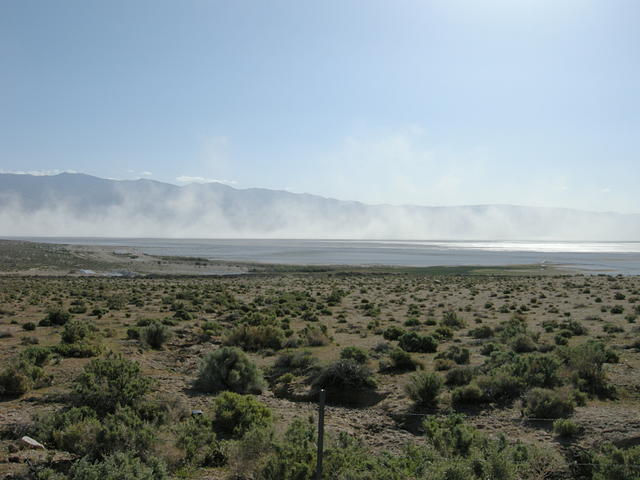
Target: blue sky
{"x": 424, "y": 102}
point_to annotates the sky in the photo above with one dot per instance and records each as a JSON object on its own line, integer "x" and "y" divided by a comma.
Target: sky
{"x": 428, "y": 102}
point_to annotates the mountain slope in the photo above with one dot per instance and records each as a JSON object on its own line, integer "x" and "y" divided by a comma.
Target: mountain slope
{"x": 77, "y": 204}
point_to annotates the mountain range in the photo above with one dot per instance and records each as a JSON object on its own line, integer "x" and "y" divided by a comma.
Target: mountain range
{"x": 78, "y": 204}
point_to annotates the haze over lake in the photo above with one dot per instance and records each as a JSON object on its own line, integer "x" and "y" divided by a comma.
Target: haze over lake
{"x": 594, "y": 257}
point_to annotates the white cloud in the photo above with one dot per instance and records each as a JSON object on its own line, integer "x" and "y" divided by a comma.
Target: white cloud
{"x": 146, "y": 173}
{"x": 192, "y": 179}
{"x": 605, "y": 190}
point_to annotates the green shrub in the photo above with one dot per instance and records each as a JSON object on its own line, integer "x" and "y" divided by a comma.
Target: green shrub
{"x": 20, "y": 377}
{"x": 36, "y": 355}
{"x": 155, "y": 334}
{"x": 255, "y": 338}
{"x": 523, "y": 343}
{"x": 546, "y": 403}
{"x": 451, "y": 319}
{"x": 614, "y": 463}
{"x": 586, "y": 364}
{"x": 393, "y": 333}
{"x": 565, "y": 428}
{"x": 501, "y": 386}
{"x": 412, "y": 342}
{"x": 235, "y": 415}
{"x": 111, "y": 382}
{"x": 300, "y": 362}
{"x": 401, "y": 361}
{"x": 459, "y": 376}
{"x": 124, "y": 431}
{"x": 459, "y": 355}
{"x": 74, "y": 430}
{"x": 482, "y": 332}
{"x": 450, "y": 436}
{"x": 55, "y": 316}
{"x": 560, "y": 340}
{"x": 228, "y": 368}
{"x": 29, "y": 326}
{"x": 575, "y": 327}
{"x": 344, "y": 378}
{"x": 75, "y": 331}
{"x": 315, "y": 336}
{"x": 356, "y": 354}
{"x": 77, "y": 350}
{"x": 423, "y": 388}
{"x": 294, "y": 458}
{"x": 119, "y": 466}
{"x": 470, "y": 394}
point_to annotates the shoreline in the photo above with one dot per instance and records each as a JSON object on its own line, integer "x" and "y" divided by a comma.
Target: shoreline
{"x": 26, "y": 258}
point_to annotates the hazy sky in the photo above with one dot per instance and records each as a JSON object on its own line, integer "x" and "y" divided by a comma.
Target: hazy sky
{"x": 533, "y": 102}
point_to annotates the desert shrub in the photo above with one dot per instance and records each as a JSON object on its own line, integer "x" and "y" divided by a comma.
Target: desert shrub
{"x": 198, "y": 442}
{"x": 443, "y": 333}
{"x": 315, "y": 336}
{"x": 300, "y": 362}
{"x": 36, "y": 355}
{"x": 501, "y": 386}
{"x": 488, "y": 348}
{"x": 459, "y": 355}
{"x": 111, "y": 382}
{"x": 535, "y": 370}
{"x": 412, "y": 342}
{"x": 586, "y": 364}
{"x": 546, "y": 403}
{"x": 235, "y": 414}
{"x": 255, "y": 338}
{"x": 451, "y": 319}
{"x": 459, "y": 376}
{"x": 78, "y": 306}
{"x": 344, "y": 378}
{"x": 565, "y": 428}
{"x": 484, "y": 331}
{"x": 509, "y": 329}
{"x": 75, "y": 331}
{"x": 443, "y": 364}
{"x": 560, "y": 340}
{"x": 393, "y": 333}
{"x": 155, "y": 334}
{"x": 614, "y": 463}
{"x": 74, "y": 430}
{"x": 450, "y": 436}
{"x": 612, "y": 328}
{"x": 124, "y": 431}
{"x": 423, "y": 388}
{"x": 55, "y": 316}
{"x": 575, "y": 327}
{"x": 119, "y": 466}
{"x": 400, "y": 361}
{"x": 133, "y": 333}
{"x": 20, "y": 377}
{"x": 77, "y": 350}
{"x": 470, "y": 394}
{"x": 357, "y": 354}
{"x": 523, "y": 343}
{"x": 228, "y": 368}
{"x": 294, "y": 457}
{"x": 29, "y": 326}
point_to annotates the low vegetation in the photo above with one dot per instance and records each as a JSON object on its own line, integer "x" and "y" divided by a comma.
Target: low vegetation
{"x": 427, "y": 376}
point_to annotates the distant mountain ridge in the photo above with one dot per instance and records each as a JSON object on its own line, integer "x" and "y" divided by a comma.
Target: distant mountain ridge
{"x": 79, "y": 204}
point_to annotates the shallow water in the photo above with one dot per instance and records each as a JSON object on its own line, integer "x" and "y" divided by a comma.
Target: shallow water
{"x": 595, "y": 257}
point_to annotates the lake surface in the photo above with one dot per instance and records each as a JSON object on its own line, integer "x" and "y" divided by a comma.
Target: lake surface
{"x": 594, "y": 257}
